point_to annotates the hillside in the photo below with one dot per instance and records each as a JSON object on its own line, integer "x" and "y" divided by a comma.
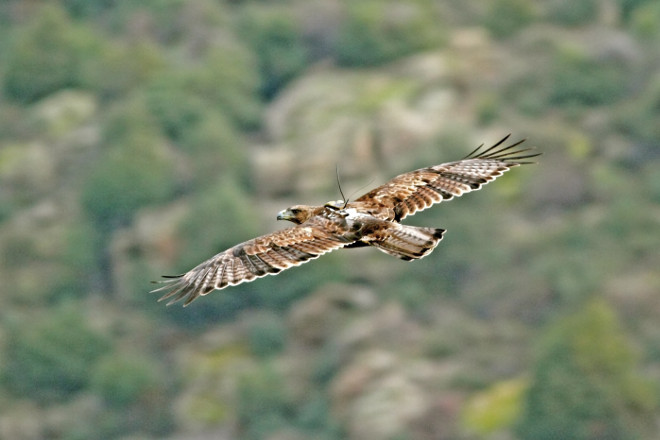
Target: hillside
{"x": 140, "y": 138}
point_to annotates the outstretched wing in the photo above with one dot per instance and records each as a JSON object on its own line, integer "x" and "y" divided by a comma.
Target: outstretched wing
{"x": 417, "y": 190}
{"x": 265, "y": 255}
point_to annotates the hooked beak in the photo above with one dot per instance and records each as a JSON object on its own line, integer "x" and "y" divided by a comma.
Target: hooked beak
{"x": 284, "y": 215}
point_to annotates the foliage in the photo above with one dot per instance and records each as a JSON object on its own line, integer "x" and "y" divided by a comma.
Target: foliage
{"x": 124, "y": 380}
{"x": 47, "y": 56}
{"x": 314, "y": 418}
{"x": 233, "y": 68}
{"x": 628, "y": 7}
{"x": 277, "y": 42}
{"x": 507, "y": 17}
{"x": 76, "y": 262}
{"x": 166, "y": 19}
{"x": 645, "y": 21}
{"x": 224, "y": 82}
{"x": 133, "y": 171}
{"x": 584, "y": 384}
{"x": 263, "y": 405}
{"x": 176, "y": 87}
{"x": 495, "y": 408}
{"x": 119, "y": 68}
{"x": 375, "y": 32}
{"x": 52, "y": 358}
{"x": 573, "y": 12}
{"x": 267, "y": 336}
{"x": 203, "y": 122}
{"x": 86, "y": 8}
{"x": 154, "y": 170}
{"x": 216, "y": 148}
{"x": 580, "y": 78}
{"x": 63, "y": 257}
{"x": 637, "y": 119}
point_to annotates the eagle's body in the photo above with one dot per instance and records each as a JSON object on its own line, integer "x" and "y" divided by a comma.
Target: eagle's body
{"x": 371, "y": 220}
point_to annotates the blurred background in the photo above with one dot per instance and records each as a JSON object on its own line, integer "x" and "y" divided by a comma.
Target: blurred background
{"x": 138, "y": 138}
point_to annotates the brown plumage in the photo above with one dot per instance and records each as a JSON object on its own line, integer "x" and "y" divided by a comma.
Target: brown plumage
{"x": 371, "y": 220}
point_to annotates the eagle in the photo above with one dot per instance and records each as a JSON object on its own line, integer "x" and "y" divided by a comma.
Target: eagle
{"x": 373, "y": 219}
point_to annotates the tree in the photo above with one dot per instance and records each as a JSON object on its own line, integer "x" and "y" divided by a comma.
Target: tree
{"x": 133, "y": 171}
{"x": 277, "y": 41}
{"x": 47, "y": 56}
{"x": 52, "y": 358}
{"x": 375, "y": 32}
{"x": 507, "y": 17}
{"x": 584, "y": 384}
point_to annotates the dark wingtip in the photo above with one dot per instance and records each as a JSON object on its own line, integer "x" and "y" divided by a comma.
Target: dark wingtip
{"x": 476, "y": 153}
{"x": 507, "y": 154}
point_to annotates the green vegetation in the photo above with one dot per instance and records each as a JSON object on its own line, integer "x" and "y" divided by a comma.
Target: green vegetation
{"x": 581, "y": 79}
{"x": 47, "y": 55}
{"x": 585, "y": 385}
{"x": 133, "y": 171}
{"x": 262, "y": 402}
{"x": 124, "y": 380}
{"x": 138, "y": 138}
{"x": 507, "y": 17}
{"x": 278, "y": 44}
{"x": 51, "y": 359}
{"x": 267, "y": 336}
{"x": 376, "y": 31}
{"x": 496, "y": 408}
{"x": 573, "y": 13}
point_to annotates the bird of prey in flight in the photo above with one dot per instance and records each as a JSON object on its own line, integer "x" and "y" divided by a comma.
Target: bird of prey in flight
{"x": 371, "y": 220}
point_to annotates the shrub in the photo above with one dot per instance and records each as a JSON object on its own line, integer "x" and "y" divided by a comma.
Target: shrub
{"x": 375, "y": 32}
{"x": 267, "y": 336}
{"x": 584, "y": 384}
{"x": 276, "y": 39}
{"x": 645, "y": 21}
{"x": 52, "y": 358}
{"x": 580, "y": 79}
{"x": 75, "y": 262}
{"x": 230, "y": 80}
{"x": 118, "y": 68}
{"x": 263, "y": 406}
{"x": 638, "y": 117}
{"x": 87, "y": 8}
{"x": 123, "y": 380}
{"x": 628, "y": 7}
{"x": 216, "y": 148}
{"x": 314, "y": 417}
{"x": 573, "y": 12}
{"x": 132, "y": 172}
{"x": 225, "y": 81}
{"x": 47, "y": 56}
{"x": 174, "y": 103}
{"x": 495, "y": 408}
{"x": 507, "y": 17}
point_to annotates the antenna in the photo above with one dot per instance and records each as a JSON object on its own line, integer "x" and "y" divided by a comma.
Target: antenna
{"x": 339, "y": 185}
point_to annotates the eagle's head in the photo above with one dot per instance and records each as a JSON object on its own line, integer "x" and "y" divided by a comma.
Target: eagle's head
{"x": 298, "y": 214}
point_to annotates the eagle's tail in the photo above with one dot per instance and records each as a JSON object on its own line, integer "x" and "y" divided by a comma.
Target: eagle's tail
{"x": 409, "y": 242}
